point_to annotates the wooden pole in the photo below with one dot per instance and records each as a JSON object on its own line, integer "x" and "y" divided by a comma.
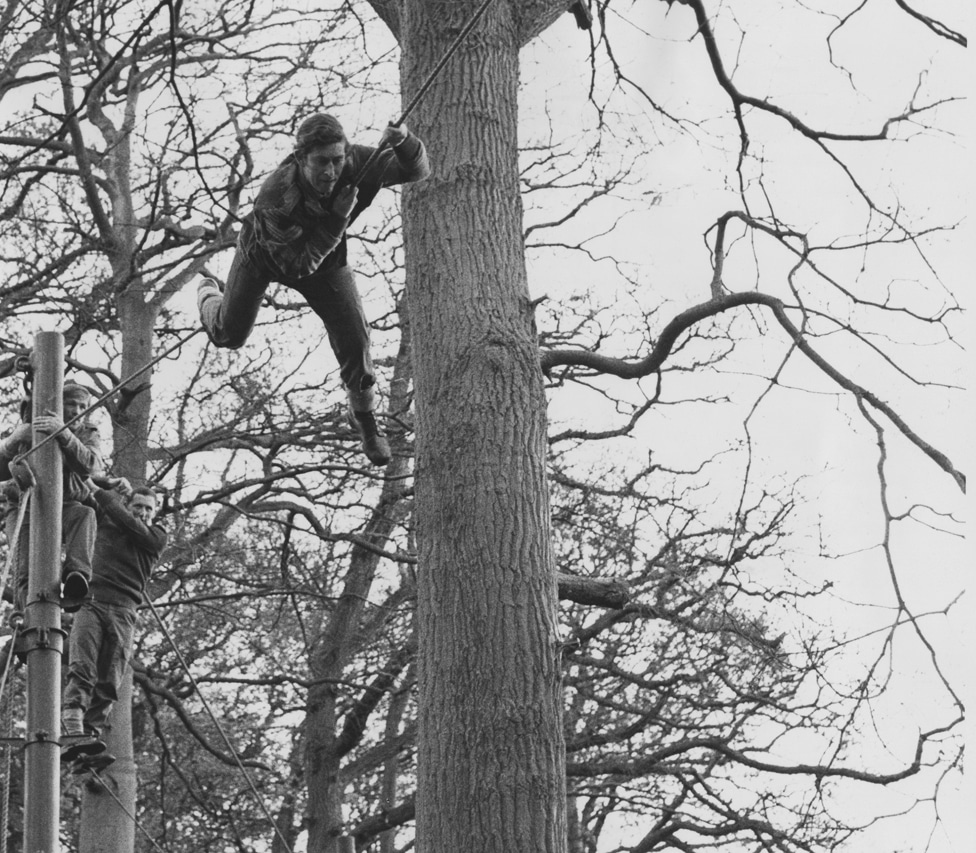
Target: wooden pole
{"x": 45, "y": 639}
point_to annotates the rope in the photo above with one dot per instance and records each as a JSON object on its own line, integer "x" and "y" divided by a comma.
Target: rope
{"x": 112, "y": 391}
{"x": 461, "y": 36}
{"x": 7, "y": 718}
{"x": 108, "y": 789}
{"x": 14, "y": 542}
{"x": 10, "y": 657}
{"x": 220, "y": 728}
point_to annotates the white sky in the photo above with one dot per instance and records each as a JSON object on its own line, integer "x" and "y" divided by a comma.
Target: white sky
{"x": 803, "y": 432}
{"x": 798, "y": 431}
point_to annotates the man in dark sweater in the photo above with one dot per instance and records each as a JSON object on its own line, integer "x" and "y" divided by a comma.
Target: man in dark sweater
{"x": 127, "y": 546}
{"x": 296, "y": 235}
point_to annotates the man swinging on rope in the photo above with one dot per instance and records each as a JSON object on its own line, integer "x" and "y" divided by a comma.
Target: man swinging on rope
{"x": 296, "y": 235}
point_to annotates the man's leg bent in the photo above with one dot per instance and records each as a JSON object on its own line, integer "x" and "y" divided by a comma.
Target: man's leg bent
{"x": 113, "y": 658}
{"x": 229, "y": 318}
{"x": 335, "y": 298}
{"x": 83, "y": 644}
{"x": 79, "y": 526}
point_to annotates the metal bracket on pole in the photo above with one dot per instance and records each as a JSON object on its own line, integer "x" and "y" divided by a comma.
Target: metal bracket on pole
{"x": 44, "y": 638}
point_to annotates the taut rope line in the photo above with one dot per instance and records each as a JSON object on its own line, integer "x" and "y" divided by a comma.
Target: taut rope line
{"x": 416, "y": 99}
{"x": 112, "y": 391}
{"x": 220, "y": 728}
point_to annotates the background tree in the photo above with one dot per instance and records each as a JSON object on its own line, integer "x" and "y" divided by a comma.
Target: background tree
{"x": 291, "y": 583}
{"x": 125, "y": 107}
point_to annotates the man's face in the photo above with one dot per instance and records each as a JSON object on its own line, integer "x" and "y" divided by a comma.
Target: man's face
{"x": 142, "y": 507}
{"x": 73, "y": 406}
{"x": 322, "y": 166}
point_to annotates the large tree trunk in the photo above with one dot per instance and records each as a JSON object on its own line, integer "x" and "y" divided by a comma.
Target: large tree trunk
{"x": 322, "y": 769}
{"x": 130, "y": 436}
{"x": 105, "y": 824}
{"x": 105, "y": 827}
{"x": 491, "y": 751}
{"x": 325, "y": 744}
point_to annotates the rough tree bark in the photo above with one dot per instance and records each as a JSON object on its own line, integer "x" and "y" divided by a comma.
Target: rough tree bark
{"x": 105, "y": 827}
{"x": 105, "y": 823}
{"x": 491, "y": 752}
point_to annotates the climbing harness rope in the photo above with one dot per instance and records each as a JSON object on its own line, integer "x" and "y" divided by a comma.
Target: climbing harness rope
{"x": 416, "y": 99}
{"x": 111, "y": 391}
{"x": 220, "y": 728}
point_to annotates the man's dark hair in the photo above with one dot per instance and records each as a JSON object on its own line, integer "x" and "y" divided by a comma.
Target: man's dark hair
{"x": 144, "y": 490}
{"x": 316, "y": 130}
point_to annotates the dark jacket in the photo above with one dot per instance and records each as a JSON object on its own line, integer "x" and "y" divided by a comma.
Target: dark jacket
{"x": 126, "y": 550}
{"x": 81, "y": 449}
{"x": 290, "y": 234}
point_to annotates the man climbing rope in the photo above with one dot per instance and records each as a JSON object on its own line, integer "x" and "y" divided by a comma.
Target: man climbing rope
{"x": 296, "y": 235}
{"x": 80, "y": 447}
{"x": 127, "y": 547}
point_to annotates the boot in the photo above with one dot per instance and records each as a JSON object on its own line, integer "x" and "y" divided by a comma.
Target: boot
{"x": 75, "y": 739}
{"x": 90, "y": 763}
{"x": 375, "y": 446}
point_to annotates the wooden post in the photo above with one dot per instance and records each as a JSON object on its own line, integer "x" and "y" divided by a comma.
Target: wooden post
{"x": 45, "y": 639}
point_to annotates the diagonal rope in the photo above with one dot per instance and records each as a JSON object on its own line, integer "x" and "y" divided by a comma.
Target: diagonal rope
{"x": 114, "y": 390}
{"x": 7, "y": 720}
{"x": 108, "y": 789}
{"x": 10, "y": 657}
{"x": 220, "y": 728}
{"x": 416, "y": 99}
{"x": 13, "y": 542}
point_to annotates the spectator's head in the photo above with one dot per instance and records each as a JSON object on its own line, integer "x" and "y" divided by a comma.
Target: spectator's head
{"x": 143, "y": 504}
{"x": 76, "y": 398}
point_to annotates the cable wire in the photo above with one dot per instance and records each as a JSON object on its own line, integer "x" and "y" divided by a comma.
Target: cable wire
{"x": 13, "y": 543}
{"x": 7, "y": 719}
{"x": 220, "y": 728}
{"x": 111, "y": 391}
{"x": 108, "y": 789}
{"x": 416, "y": 99}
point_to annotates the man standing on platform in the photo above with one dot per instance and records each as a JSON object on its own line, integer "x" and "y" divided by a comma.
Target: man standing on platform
{"x": 127, "y": 547}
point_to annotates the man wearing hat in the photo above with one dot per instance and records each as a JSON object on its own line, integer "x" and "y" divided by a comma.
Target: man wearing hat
{"x": 80, "y": 446}
{"x": 296, "y": 235}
